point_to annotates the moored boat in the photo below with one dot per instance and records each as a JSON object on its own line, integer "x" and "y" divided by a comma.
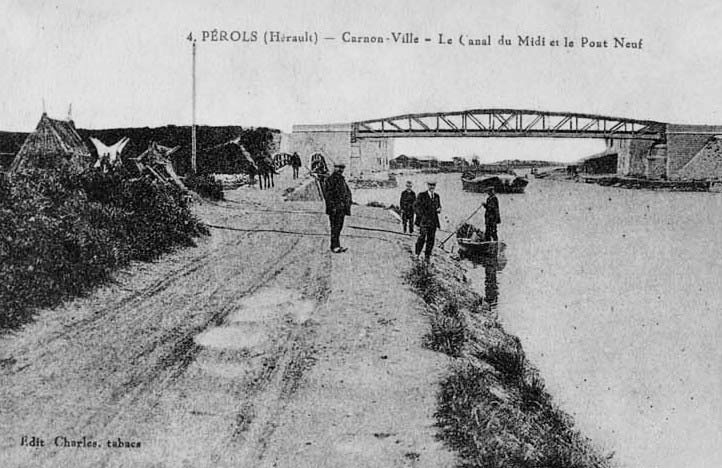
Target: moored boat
{"x": 472, "y": 244}
{"x": 502, "y": 183}
{"x": 470, "y": 248}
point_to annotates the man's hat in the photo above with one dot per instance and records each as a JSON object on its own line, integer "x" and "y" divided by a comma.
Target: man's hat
{"x": 341, "y": 165}
{"x": 408, "y": 183}
{"x": 431, "y": 183}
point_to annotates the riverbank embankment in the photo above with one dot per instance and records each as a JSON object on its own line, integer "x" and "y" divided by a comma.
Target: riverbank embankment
{"x": 492, "y": 406}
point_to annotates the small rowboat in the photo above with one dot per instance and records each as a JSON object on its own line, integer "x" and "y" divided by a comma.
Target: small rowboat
{"x": 472, "y": 244}
{"x": 472, "y": 248}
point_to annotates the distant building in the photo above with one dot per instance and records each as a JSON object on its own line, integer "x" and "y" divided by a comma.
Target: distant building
{"x": 447, "y": 166}
{"x": 400, "y": 162}
{"x": 411, "y": 162}
{"x": 54, "y": 143}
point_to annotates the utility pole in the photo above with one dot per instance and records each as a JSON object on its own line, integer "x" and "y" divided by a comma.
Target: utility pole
{"x": 193, "y": 127}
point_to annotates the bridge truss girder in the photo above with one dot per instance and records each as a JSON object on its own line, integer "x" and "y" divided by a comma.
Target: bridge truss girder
{"x": 507, "y": 123}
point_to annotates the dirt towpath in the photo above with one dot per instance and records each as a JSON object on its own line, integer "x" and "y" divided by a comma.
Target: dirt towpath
{"x": 258, "y": 347}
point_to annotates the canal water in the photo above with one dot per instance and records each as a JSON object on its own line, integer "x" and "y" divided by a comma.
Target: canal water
{"x": 616, "y": 295}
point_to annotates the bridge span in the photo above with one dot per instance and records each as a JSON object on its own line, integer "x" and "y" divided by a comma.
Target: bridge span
{"x": 507, "y": 123}
{"x": 644, "y": 148}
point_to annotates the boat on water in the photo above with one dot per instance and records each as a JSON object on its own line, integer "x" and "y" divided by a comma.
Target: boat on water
{"x": 501, "y": 182}
{"x": 470, "y": 248}
{"x": 472, "y": 244}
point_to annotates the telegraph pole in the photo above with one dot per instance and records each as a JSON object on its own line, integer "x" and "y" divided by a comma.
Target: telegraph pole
{"x": 193, "y": 127}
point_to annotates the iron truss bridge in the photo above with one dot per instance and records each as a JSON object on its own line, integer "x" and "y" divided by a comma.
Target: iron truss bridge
{"x": 507, "y": 123}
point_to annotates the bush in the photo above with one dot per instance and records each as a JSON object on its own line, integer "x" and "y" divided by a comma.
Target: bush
{"x": 206, "y": 186}
{"x": 62, "y": 233}
{"x": 448, "y": 334}
{"x": 533, "y": 392}
{"x": 421, "y": 278}
{"x": 451, "y": 308}
{"x": 508, "y": 359}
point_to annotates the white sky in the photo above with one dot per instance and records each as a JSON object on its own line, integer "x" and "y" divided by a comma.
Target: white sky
{"x": 128, "y": 64}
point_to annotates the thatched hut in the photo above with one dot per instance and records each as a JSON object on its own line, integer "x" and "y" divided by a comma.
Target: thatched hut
{"x": 54, "y": 143}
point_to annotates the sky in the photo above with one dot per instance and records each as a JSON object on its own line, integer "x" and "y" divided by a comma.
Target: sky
{"x": 129, "y": 64}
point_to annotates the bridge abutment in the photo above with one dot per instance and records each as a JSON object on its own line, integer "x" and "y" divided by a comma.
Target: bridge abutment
{"x": 631, "y": 155}
{"x": 333, "y": 142}
{"x": 683, "y": 144}
{"x": 665, "y": 158}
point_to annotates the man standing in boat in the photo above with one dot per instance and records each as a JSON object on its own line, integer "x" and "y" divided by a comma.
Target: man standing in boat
{"x": 408, "y": 197}
{"x": 427, "y": 208}
{"x": 338, "y": 204}
{"x": 491, "y": 216}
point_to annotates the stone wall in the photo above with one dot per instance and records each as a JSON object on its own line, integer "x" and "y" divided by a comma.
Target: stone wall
{"x": 371, "y": 155}
{"x": 333, "y": 141}
{"x": 684, "y": 142}
{"x": 656, "y": 164}
{"x": 706, "y": 164}
{"x": 632, "y": 159}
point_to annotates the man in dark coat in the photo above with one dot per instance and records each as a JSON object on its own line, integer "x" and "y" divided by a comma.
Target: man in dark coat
{"x": 295, "y": 164}
{"x": 408, "y": 197}
{"x": 491, "y": 215}
{"x": 338, "y": 204}
{"x": 427, "y": 208}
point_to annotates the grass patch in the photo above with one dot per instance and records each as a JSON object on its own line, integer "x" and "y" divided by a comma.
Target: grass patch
{"x": 421, "y": 278}
{"x": 507, "y": 358}
{"x": 451, "y": 308}
{"x": 448, "y": 335}
{"x": 533, "y": 392}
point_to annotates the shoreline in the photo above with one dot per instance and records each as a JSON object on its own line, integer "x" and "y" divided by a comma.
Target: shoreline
{"x": 492, "y": 407}
{"x": 636, "y": 183}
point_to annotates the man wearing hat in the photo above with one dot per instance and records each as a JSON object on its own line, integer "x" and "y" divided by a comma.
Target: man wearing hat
{"x": 406, "y": 204}
{"x": 491, "y": 215}
{"x": 338, "y": 204}
{"x": 427, "y": 207}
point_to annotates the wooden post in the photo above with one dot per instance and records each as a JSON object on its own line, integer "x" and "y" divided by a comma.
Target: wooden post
{"x": 193, "y": 127}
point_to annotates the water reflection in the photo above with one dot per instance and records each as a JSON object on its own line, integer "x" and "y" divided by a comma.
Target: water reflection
{"x": 492, "y": 260}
